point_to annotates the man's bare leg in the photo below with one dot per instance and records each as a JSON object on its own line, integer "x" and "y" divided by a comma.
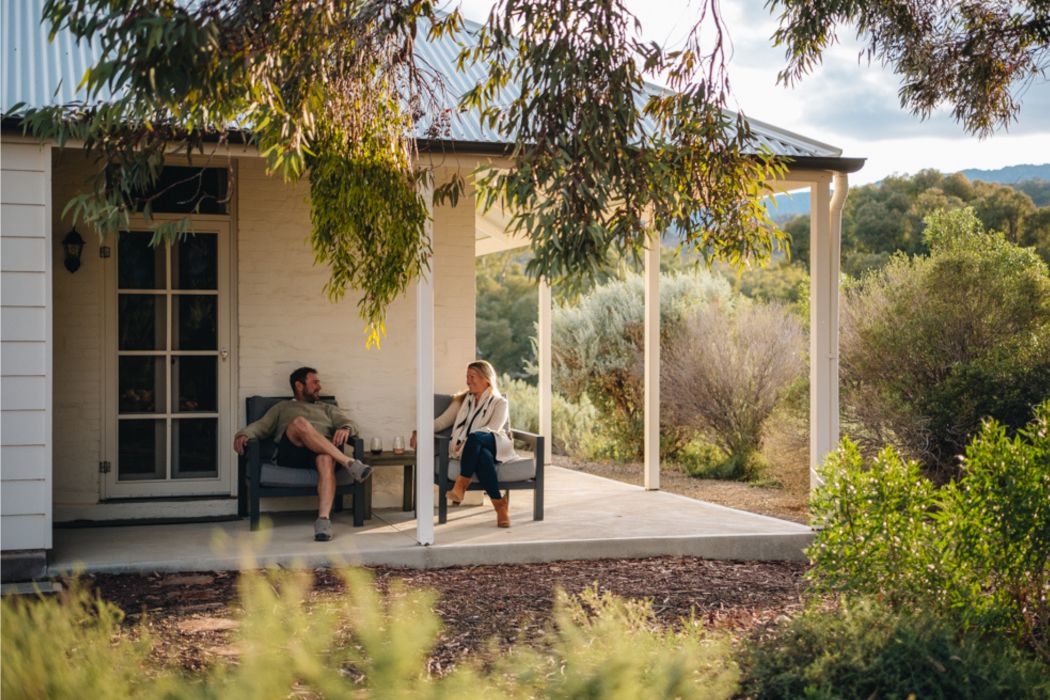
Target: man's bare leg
{"x": 325, "y": 485}
{"x": 302, "y": 434}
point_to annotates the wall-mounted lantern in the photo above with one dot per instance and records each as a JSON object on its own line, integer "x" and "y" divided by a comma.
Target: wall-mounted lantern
{"x": 73, "y": 245}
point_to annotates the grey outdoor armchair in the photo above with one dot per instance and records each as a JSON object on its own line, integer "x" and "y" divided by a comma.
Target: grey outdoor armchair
{"x": 525, "y": 473}
{"x": 260, "y": 476}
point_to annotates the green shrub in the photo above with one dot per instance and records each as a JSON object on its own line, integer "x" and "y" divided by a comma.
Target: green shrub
{"x": 931, "y": 345}
{"x": 701, "y": 459}
{"x": 71, "y": 646}
{"x": 867, "y": 650}
{"x": 877, "y": 532}
{"x": 573, "y": 423}
{"x": 996, "y": 521}
{"x": 977, "y": 549}
{"x": 602, "y": 646}
{"x": 598, "y": 352}
{"x": 782, "y": 282}
{"x": 354, "y": 645}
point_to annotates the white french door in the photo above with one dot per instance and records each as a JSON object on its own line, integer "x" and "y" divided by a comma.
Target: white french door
{"x": 169, "y": 366}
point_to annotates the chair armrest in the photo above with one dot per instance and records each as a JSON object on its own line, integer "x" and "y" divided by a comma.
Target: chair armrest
{"x": 354, "y": 447}
{"x": 530, "y": 439}
{"x": 441, "y": 443}
{"x": 253, "y": 460}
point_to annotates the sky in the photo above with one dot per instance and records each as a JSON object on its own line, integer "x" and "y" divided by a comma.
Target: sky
{"x": 849, "y": 104}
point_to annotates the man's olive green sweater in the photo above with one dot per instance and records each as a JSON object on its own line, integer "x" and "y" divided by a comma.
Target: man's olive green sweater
{"x": 324, "y": 417}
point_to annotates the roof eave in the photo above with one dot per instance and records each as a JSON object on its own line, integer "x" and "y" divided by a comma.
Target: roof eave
{"x": 495, "y": 148}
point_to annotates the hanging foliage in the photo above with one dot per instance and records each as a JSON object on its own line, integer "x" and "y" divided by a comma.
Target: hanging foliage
{"x": 331, "y": 90}
{"x": 324, "y": 89}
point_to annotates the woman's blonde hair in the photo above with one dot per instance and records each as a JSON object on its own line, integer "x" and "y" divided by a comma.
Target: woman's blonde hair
{"x": 487, "y": 371}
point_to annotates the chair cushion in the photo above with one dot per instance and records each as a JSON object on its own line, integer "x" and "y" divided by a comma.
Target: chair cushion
{"x": 521, "y": 469}
{"x": 284, "y": 477}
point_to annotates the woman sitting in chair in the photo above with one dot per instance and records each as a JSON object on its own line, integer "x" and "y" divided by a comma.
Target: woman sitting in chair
{"x": 480, "y": 420}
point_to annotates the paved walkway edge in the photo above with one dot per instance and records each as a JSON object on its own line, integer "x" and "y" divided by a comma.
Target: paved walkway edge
{"x": 750, "y": 547}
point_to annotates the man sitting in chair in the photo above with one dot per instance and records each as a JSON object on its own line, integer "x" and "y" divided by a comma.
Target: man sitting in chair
{"x": 309, "y": 435}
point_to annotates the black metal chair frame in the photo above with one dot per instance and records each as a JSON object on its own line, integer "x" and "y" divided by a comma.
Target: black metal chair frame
{"x": 250, "y": 475}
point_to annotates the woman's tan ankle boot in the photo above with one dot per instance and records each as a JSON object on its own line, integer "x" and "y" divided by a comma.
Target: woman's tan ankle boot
{"x": 502, "y": 506}
{"x": 458, "y": 490}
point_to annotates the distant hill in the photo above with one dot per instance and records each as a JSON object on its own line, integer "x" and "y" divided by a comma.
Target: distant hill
{"x": 790, "y": 205}
{"x": 1011, "y": 174}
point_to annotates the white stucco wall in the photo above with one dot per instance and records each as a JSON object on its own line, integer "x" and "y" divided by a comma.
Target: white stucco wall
{"x": 282, "y": 320}
{"x": 25, "y": 346}
{"x": 78, "y": 366}
{"x": 454, "y": 341}
{"x": 285, "y": 321}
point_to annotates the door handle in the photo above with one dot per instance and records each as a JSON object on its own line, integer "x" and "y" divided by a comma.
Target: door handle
{"x": 224, "y": 353}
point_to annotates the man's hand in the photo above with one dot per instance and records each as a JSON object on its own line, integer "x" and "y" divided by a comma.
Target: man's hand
{"x": 239, "y": 442}
{"x": 340, "y": 437}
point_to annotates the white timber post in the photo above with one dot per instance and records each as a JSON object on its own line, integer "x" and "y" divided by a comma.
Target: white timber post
{"x": 425, "y": 387}
{"x": 543, "y": 351}
{"x": 825, "y": 248}
{"x": 652, "y": 362}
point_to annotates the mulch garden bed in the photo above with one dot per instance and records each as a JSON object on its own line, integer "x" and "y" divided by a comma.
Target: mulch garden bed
{"x": 193, "y": 615}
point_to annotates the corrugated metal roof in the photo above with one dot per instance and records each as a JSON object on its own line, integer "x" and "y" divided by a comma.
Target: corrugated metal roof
{"x": 38, "y": 73}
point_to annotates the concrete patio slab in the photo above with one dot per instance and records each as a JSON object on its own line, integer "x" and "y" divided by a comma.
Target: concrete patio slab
{"x": 586, "y": 517}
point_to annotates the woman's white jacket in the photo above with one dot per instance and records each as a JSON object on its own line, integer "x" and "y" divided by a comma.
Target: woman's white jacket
{"x": 488, "y": 414}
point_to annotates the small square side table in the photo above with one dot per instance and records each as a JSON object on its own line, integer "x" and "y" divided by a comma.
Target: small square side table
{"x": 387, "y": 458}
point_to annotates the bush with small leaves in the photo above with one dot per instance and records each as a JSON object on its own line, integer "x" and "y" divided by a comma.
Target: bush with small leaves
{"x": 865, "y": 649}
{"x": 72, "y": 645}
{"x": 598, "y": 351}
{"x": 572, "y": 423}
{"x": 977, "y": 549}
{"x": 603, "y": 646}
{"x": 933, "y": 344}
{"x": 359, "y": 644}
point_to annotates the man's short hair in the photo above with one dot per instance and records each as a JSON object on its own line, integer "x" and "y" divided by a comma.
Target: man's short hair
{"x": 299, "y": 375}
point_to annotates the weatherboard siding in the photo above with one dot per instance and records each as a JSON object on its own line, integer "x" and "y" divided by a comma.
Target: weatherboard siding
{"x": 25, "y": 346}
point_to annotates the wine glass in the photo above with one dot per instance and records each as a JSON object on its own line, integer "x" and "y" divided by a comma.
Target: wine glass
{"x": 377, "y": 445}
{"x": 399, "y": 445}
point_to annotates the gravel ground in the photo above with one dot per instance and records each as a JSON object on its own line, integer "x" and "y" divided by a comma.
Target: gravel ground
{"x": 193, "y": 617}
{"x": 789, "y": 503}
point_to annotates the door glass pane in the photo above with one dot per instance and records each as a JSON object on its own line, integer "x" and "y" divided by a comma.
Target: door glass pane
{"x": 140, "y": 449}
{"x": 195, "y": 322}
{"x": 194, "y": 447}
{"x": 195, "y": 262}
{"x": 197, "y": 382}
{"x": 141, "y": 323}
{"x": 141, "y": 387}
{"x": 138, "y": 265}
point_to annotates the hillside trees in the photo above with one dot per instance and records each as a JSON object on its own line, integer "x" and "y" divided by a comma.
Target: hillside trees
{"x": 889, "y": 216}
{"x": 506, "y": 310}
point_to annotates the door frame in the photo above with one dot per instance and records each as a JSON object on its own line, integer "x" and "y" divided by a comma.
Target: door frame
{"x": 225, "y": 483}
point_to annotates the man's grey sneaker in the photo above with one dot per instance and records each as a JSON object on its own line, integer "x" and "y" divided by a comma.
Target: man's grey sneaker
{"x": 359, "y": 471}
{"x": 323, "y": 529}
